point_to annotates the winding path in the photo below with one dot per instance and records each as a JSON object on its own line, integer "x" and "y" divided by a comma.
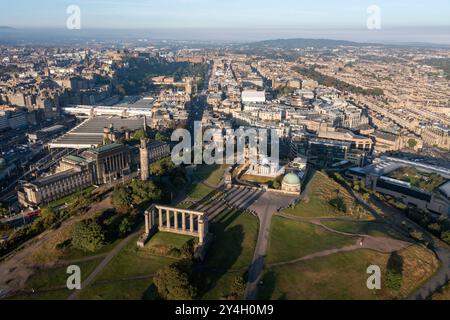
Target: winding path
{"x": 268, "y": 204}
{"x": 364, "y": 241}
{"x": 103, "y": 264}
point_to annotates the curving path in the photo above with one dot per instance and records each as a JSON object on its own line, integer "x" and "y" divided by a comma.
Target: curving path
{"x": 364, "y": 241}
{"x": 268, "y": 204}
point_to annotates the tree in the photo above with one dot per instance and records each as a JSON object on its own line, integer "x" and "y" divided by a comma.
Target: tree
{"x": 445, "y": 236}
{"x": 88, "y": 236}
{"x": 276, "y": 185}
{"x": 121, "y": 196}
{"x": 339, "y": 204}
{"x": 162, "y": 167}
{"x": 125, "y": 227}
{"x": 188, "y": 249}
{"x": 173, "y": 284}
{"x": 144, "y": 191}
{"x": 4, "y": 211}
{"x": 394, "y": 274}
{"x": 435, "y": 229}
{"x": 160, "y": 137}
{"x": 416, "y": 235}
{"x": 138, "y": 135}
{"x": 48, "y": 217}
{"x": 157, "y": 169}
{"x": 412, "y": 143}
{"x": 4, "y": 227}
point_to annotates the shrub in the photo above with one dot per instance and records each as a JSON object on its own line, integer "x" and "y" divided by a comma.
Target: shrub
{"x": 125, "y": 227}
{"x": 173, "y": 284}
{"x": 238, "y": 286}
{"x": 88, "y": 236}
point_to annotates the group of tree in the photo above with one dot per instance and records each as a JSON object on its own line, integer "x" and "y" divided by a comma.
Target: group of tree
{"x": 173, "y": 283}
{"x": 138, "y": 135}
{"x": 4, "y": 211}
{"x": 286, "y": 90}
{"x": 339, "y": 203}
{"x": 394, "y": 272}
{"x": 440, "y": 63}
{"x": 135, "y": 78}
{"x": 46, "y": 220}
{"x": 438, "y": 226}
{"x": 49, "y": 217}
{"x": 135, "y": 193}
{"x": 162, "y": 167}
{"x": 340, "y": 85}
{"x": 88, "y": 235}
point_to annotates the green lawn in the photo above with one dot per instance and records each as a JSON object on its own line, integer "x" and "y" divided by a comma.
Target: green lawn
{"x": 164, "y": 238}
{"x": 198, "y": 191}
{"x": 167, "y": 244}
{"x": 71, "y": 253}
{"x": 129, "y": 274}
{"x": 49, "y": 283}
{"x": 235, "y": 235}
{"x": 343, "y": 276}
{"x": 230, "y": 254}
{"x": 69, "y": 198}
{"x": 61, "y": 294}
{"x": 222, "y": 287}
{"x": 211, "y": 174}
{"x": 119, "y": 290}
{"x": 57, "y": 277}
{"x": 371, "y": 228}
{"x": 262, "y": 180}
{"x": 322, "y": 190}
{"x": 291, "y": 240}
{"x": 132, "y": 262}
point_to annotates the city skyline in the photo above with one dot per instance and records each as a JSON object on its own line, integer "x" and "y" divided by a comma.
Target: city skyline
{"x": 222, "y": 151}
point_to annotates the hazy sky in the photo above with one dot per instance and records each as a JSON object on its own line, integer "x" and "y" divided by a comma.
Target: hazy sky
{"x": 135, "y": 14}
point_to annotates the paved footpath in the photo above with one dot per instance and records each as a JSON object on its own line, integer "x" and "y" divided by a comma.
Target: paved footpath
{"x": 266, "y": 206}
{"x": 438, "y": 280}
{"x": 103, "y": 264}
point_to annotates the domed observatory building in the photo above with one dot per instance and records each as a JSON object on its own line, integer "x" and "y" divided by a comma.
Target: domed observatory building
{"x": 291, "y": 183}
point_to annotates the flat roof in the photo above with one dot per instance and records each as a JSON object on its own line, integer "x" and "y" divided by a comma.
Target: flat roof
{"x": 106, "y": 147}
{"x": 445, "y": 189}
{"x": 90, "y": 132}
{"x": 40, "y": 182}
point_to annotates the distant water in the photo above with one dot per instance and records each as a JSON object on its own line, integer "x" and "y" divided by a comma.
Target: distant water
{"x": 430, "y": 35}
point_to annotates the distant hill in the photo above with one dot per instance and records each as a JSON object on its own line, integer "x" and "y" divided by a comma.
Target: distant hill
{"x": 6, "y": 28}
{"x": 302, "y": 43}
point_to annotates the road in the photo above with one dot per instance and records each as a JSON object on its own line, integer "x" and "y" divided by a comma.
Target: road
{"x": 265, "y": 207}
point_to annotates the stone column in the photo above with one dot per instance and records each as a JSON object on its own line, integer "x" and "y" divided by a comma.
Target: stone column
{"x": 191, "y": 222}
{"x": 183, "y": 221}
{"x": 147, "y": 222}
{"x": 175, "y": 219}
{"x": 152, "y": 217}
{"x": 168, "y": 218}
{"x": 201, "y": 229}
{"x": 160, "y": 218}
{"x": 206, "y": 225}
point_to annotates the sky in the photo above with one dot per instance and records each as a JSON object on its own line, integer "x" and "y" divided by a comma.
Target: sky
{"x": 272, "y": 15}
